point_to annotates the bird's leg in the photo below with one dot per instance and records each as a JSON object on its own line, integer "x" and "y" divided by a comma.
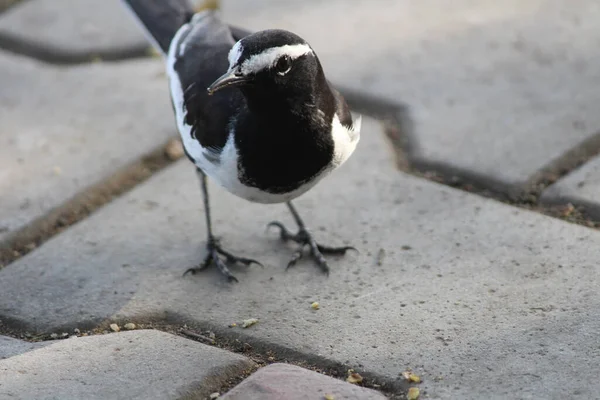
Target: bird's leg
{"x": 304, "y": 238}
{"x": 215, "y": 251}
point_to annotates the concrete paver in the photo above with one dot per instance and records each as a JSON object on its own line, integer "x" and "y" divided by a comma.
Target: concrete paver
{"x": 580, "y": 187}
{"x": 143, "y": 364}
{"x": 497, "y": 90}
{"x": 479, "y": 298}
{"x": 11, "y": 347}
{"x": 73, "y": 29}
{"x": 64, "y": 129}
{"x": 288, "y": 382}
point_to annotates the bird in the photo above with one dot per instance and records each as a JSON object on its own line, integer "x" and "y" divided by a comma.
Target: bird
{"x": 255, "y": 113}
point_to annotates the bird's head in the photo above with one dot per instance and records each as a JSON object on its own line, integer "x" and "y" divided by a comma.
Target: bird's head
{"x": 271, "y": 62}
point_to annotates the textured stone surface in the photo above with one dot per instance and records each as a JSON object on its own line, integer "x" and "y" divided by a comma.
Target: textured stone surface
{"x": 288, "y": 382}
{"x": 497, "y": 89}
{"x": 64, "y": 129}
{"x": 580, "y": 187}
{"x": 127, "y": 365}
{"x": 493, "y": 299}
{"x": 73, "y": 28}
{"x": 11, "y": 347}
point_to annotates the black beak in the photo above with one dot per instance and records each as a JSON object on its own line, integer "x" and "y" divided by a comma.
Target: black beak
{"x": 230, "y": 78}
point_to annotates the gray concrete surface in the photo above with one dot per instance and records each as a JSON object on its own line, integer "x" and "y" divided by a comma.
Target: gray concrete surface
{"x": 479, "y": 298}
{"x": 11, "y": 347}
{"x": 289, "y": 382}
{"x": 72, "y": 29}
{"x": 127, "y": 365}
{"x": 64, "y": 129}
{"x": 581, "y": 187}
{"x": 498, "y": 90}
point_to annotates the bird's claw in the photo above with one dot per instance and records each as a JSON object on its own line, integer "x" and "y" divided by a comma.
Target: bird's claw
{"x": 213, "y": 258}
{"x": 304, "y": 238}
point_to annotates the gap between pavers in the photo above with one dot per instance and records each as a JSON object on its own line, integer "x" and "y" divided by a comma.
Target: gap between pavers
{"x": 142, "y": 364}
{"x": 484, "y": 81}
{"x": 581, "y": 187}
{"x": 479, "y": 298}
{"x": 62, "y": 130}
{"x": 66, "y": 31}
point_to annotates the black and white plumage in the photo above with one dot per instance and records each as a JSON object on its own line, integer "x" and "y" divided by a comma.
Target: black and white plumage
{"x": 255, "y": 113}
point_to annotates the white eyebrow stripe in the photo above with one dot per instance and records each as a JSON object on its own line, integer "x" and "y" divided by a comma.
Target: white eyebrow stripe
{"x": 270, "y": 56}
{"x": 234, "y": 54}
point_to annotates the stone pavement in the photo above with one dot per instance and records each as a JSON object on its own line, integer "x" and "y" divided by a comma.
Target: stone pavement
{"x": 478, "y": 298}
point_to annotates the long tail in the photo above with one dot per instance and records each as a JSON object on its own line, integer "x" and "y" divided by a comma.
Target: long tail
{"x": 160, "y": 19}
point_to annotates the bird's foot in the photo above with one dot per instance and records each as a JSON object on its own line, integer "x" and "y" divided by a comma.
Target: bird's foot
{"x": 215, "y": 256}
{"x": 304, "y": 238}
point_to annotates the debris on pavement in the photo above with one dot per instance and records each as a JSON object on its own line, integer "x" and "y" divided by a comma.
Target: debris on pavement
{"x": 354, "y": 377}
{"x": 413, "y": 393}
{"x": 114, "y": 328}
{"x": 249, "y": 322}
{"x": 409, "y": 376}
{"x": 315, "y": 305}
{"x": 129, "y": 326}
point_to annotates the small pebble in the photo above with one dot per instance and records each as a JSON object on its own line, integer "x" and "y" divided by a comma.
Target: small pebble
{"x": 315, "y": 305}
{"x": 214, "y": 395}
{"x": 129, "y": 326}
{"x": 174, "y": 150}
{"x": 115, "y": 327}
{"x": 249, "y": 322}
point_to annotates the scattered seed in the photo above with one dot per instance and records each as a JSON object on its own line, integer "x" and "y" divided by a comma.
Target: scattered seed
{"x": 409, "y": 376}
{"x": 413, "y": 393}
{"x": 354, "y": 377}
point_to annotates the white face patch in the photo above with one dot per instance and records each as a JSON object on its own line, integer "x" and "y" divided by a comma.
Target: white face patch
{"x": 267, "y": 58}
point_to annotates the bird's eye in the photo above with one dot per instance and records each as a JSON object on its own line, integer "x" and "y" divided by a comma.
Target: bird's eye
{"x": 284, "y": 64}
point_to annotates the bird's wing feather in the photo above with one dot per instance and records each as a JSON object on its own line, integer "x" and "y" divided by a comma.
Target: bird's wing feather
{"x": 197, "y": 57}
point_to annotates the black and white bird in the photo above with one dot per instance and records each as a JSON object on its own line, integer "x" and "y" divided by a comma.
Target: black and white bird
{"x": 255, "y": 114}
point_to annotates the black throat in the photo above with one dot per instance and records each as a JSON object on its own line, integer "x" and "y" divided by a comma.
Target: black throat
{"x": 284, "y": 138}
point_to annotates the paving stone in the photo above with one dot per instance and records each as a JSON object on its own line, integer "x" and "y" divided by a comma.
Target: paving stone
{"x": 64, "y": 129}
{"x": 143, "y": 364}
{"x": 580, "y": 187}
{"x": 499, "y": 302}
{"x": 484, "y": 80}
{"x": 283, "y": 381}
{"x": 11, "y": 347}
{"x": 70, "y": 30}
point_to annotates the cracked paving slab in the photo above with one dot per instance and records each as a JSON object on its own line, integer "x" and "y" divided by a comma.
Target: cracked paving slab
{"x": 71, "y": 30}
{"x": 480, "y": 299}
{"x": 497, "y": 91}
{"x": 144, "y": 364}
{"x": 64, "y": 129}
